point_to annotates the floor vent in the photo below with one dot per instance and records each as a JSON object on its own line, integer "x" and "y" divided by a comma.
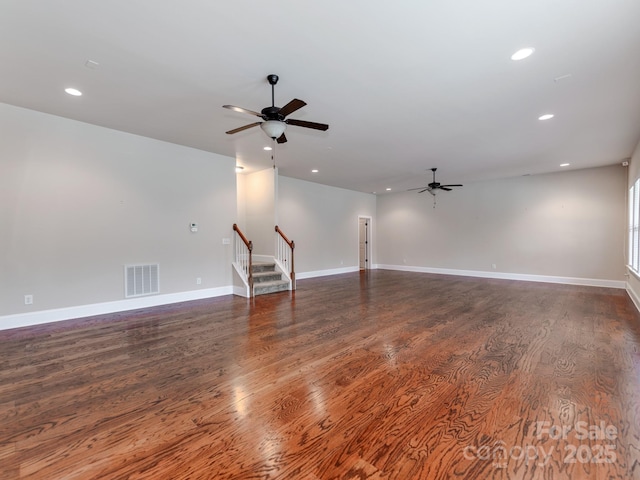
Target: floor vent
{"x": 141, "y": 280}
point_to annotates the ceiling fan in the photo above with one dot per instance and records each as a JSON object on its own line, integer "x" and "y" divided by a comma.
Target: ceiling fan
{"x": 275, "y": 123}
{"x": 435, "y": 185}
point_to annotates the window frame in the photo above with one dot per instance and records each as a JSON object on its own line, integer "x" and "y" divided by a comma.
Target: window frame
{"x": 633, "y": 252}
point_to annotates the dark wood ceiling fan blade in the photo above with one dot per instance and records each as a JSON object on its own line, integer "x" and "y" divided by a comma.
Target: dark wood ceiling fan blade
{"x": 291, "y": 107}
{"x": 281, "y": 139}
{"x": 239, "y": 129}
{"x": 453, "y": 185}
{"x": 442, "y": 187}
{"x": 302, "y": 123}
{"x": 242, "y": 110}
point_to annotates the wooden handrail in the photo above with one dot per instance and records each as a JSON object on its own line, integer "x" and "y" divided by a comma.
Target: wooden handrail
{"x": 292, "y": 246}
{"x": 284, "y": 237}
{"x": 248, "y": 243}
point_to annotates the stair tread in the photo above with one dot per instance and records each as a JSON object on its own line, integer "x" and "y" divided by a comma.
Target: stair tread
{"x": 271, "y": 286}
{"x": 264, "y": 274}
{"x": 263, "y": 267}
{"x": 264, "y": 277}
{"x": 271, "y": 283}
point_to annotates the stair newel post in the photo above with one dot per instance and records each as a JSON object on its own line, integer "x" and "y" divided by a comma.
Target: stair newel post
{"x": 293, "y": 272}
{"x": 250, "y": 246}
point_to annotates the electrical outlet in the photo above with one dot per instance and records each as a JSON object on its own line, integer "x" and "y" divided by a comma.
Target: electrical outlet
{"x": 198, "y": 281}
{"x": 494, "y": 266}
{"x": 28, "y": 299}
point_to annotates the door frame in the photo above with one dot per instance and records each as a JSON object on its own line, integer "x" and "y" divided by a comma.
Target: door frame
{"x": 368, "y": 240}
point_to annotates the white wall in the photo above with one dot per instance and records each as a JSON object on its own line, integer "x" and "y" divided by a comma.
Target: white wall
{"x": 78, "y": 202}
{"x": 260, "y": 206}
{"x": 241, "y": 207}
{"x": 323, "y": 223}
{"x": 569, "y": 224}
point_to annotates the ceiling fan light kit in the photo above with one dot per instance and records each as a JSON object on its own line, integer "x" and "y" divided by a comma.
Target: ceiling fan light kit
{"x": 275, "y": 121}
{"x": 273, "y": 128}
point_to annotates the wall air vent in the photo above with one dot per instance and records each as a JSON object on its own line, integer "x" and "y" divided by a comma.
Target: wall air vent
{"x": 141, "y": 280}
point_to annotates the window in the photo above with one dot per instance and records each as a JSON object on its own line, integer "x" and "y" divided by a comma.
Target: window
{"x": 634, "y": 227}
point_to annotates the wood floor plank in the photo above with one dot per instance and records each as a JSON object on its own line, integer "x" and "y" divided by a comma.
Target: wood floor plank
{"x": 373, "y": 375}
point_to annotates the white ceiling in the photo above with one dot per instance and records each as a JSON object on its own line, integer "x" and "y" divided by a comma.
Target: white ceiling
{"x": 405, "y": 86}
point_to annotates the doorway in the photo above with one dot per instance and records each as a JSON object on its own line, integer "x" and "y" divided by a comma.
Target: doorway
{"x": 364, "y": 242}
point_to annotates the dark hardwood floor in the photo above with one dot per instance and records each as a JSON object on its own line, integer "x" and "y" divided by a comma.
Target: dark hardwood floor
{"x": 378, "y": 375}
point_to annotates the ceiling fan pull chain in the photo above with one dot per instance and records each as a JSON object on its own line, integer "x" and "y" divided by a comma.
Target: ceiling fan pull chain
{"x": 273, "y": 153}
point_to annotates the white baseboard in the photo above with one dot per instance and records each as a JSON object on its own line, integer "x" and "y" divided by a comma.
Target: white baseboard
{"x": 633, "y": 296}
{"x": 592, "y": 282}
{"x": 324, "y": 273}
{"x": 241, "y": 291}
{"x": 68, "y": 313}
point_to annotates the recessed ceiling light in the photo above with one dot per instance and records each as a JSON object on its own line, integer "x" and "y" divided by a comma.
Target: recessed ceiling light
{"x": 267, "y": 149}
{"x": 388, "y": 189}
{"x": 546, "y": 116}
{"x": 73, "y": 91}
{"x": 91, "y": 64}
{"x": 522, "y": 53}
{"x": 565, "y": 164}
{"x": 562, "y": 77}
{"x": 315, "y": 170}
{"x": 239, "y": 168}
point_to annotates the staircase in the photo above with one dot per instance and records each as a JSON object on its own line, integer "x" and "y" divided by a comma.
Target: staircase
{"x": 267, "y": 280}
{"x": 266, "y": 274}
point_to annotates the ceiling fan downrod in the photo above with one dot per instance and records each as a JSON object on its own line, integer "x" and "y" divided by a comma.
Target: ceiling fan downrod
{"x": 273, "y": 80}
